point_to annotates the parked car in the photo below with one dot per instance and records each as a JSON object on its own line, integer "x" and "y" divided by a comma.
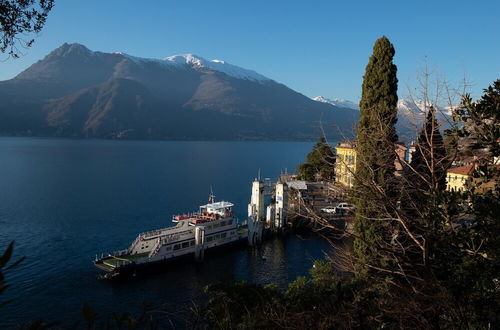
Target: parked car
{"x": 342, "y": 208}
{"x": 328, "y": 209}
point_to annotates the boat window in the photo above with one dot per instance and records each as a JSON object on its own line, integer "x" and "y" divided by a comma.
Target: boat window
{"x": 169, "y": 248}
{"x": 223, "y": 235}
{"x": 223, "y": 223}
{"x": 185, "y": 245}
{"x": 232, "y": 233}
{"x": 209, "y": 227}
{"x": 177, "y": 247}
{"x": 215, "y": 225}
{"x": 191, "y": 243}
{"x": 230, "y": 222}
{"x": 217, "y": 236}
{"x": 209, "y": 238}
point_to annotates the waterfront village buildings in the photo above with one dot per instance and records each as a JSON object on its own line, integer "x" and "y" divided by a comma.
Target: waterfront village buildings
{"x": 457, "y": 177}
{"x": 345, "y": 164}
{"x": 460, "y": 174}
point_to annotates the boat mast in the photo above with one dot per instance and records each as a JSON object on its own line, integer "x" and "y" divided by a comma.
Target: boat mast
{"x": 211, "y": 197}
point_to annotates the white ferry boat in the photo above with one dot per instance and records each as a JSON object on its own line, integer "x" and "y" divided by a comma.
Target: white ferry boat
{"x": 212, "y": 226}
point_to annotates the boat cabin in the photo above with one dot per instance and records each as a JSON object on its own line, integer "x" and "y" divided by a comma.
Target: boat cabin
{"x": 218, "y": 209}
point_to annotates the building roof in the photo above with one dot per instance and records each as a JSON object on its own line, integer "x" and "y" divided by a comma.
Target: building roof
{"x": 462, "y": 170}
{"x": 347, "y": 145}
{"x": 352, "y": 145}
{"x": 218, "y": 205}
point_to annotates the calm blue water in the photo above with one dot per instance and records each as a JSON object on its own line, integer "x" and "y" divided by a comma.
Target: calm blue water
{"x": 64, "y": 201}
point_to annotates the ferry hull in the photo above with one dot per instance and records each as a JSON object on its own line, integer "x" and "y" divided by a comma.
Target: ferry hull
{"x": 141, "y": 269}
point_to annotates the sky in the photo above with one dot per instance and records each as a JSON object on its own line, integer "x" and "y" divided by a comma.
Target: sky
{"x": 314, "y": 47}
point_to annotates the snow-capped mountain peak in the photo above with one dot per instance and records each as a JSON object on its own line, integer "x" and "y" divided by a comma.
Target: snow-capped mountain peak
{"x": 198, "y": 62}
{"x": 188, "y": 59}
{"x": 321, "y": 99}
{"x": 215, "y": 65}
{"x": 342, "y": 103}
{"x": 407, "y": 106}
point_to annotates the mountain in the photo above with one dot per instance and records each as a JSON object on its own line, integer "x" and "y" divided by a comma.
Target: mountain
{"x": 411, "y": 115}
{"x": 76, "y": 92}
{"x": 341, "y": 103}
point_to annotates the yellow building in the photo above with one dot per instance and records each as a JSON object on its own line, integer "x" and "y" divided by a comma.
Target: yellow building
{"x": 457, "y": 177}
{"x": 345, "y": 164}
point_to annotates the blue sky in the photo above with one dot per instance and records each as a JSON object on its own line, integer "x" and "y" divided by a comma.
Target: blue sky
{"x": 314, "y": 47}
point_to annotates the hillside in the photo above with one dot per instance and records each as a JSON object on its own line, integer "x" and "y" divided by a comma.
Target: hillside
{"x": 76, "y": 92}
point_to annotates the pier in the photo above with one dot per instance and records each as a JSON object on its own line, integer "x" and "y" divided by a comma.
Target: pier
{"x": 288, "y": 202}
{"x": 274, "y": 209}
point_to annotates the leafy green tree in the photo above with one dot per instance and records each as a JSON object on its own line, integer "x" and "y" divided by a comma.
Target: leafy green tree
{"x": 466, "y": 257}
{"x": 376, "y": 138}
{"x": 19, "y": 18}
{"x": 481, "y": 122}
{"x": 320, "y": 163}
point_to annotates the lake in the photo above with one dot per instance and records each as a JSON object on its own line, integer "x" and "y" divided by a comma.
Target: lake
{"x": 64, "y": 201}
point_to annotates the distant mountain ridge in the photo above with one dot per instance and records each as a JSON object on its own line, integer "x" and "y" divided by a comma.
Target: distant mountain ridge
{"x": 76, "y": 92}
{"x": 411, "y": 115}
{"x": 342, "y": 103}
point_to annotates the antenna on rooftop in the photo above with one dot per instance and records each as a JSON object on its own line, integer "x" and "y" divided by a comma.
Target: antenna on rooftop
{"x": 211, "y": 197}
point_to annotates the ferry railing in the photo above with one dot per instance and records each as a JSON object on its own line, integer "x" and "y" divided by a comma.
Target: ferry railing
{"x": 120, "y": 253}
{"x": 153, "y": 233}
{"x": 134, "y": 243}
{"x": 175, "y": 236}
{"x": 156, "y": 232}
{"x": 156, "y": 248}
{"x": 187, "y": 215}
{"x": 172, "y": 238}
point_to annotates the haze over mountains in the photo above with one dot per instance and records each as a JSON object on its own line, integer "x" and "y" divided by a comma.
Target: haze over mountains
{"x": 75, "y": 92}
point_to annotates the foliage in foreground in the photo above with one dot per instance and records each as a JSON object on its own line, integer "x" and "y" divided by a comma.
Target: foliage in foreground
{"x": 431, "y": 258}
{"x": 19, "y": 19}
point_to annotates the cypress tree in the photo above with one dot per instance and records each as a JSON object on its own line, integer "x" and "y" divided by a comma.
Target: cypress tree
{"x": 425, "y": 181}
{"x": 376, "y": 137}
{"x": 428, "y": 163}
